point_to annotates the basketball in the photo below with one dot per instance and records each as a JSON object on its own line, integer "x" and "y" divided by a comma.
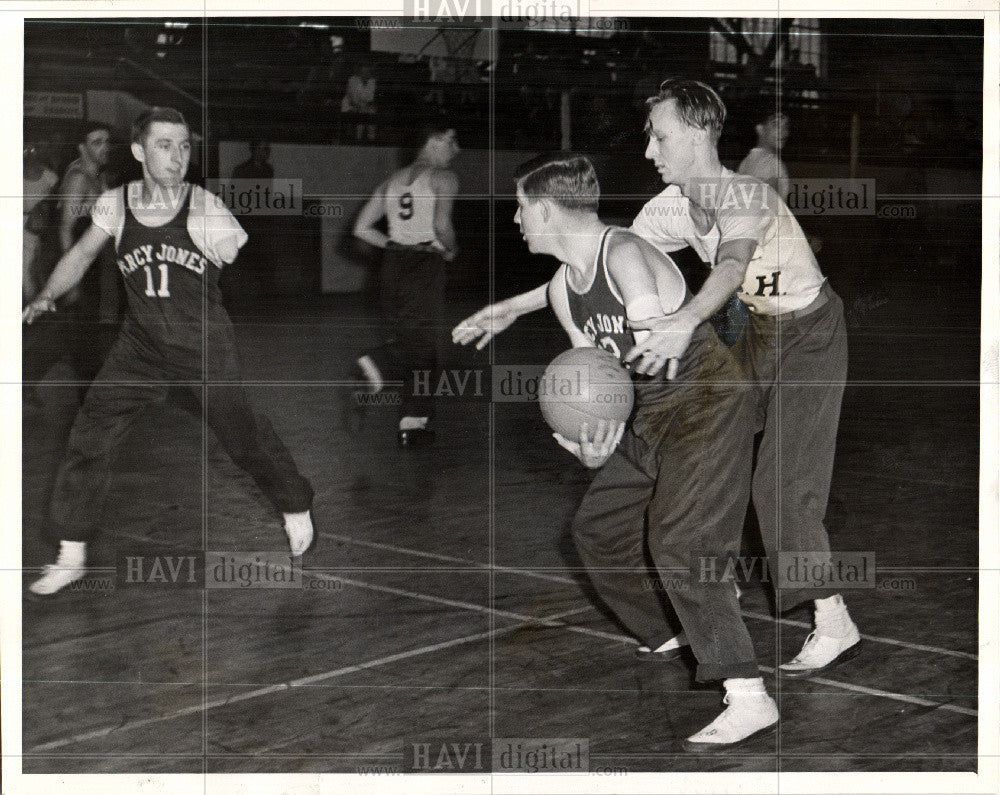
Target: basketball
{"x": 584, "y": 385}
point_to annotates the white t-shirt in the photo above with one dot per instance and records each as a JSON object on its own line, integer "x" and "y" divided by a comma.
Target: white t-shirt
{"x": 209, "y": 223}
{"x": 767, "y": 167}
{"x": 782, "y": 275}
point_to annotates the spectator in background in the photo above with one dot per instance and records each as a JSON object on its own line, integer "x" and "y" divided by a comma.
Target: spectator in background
{"x": 258, "y": 165}
{"x": 257, "y": 263}
{"x": 764, "y": 160}
{"x": 98, "y": 302}
{"x": 359, "y": 102}
{"x": 39, "y": 181}
{"x": 442, "y": 70}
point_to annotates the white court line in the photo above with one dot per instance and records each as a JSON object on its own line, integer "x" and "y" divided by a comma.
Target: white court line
{"x": 871, "y": 691}
{"x": 556, "y": 578}
{"x": 307, "y": 680}
{"x": 877, "y": 638}
{"x": 552, "y": 621}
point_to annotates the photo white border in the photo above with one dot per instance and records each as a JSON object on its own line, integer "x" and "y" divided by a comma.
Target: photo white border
{"x": 987, "y": 781}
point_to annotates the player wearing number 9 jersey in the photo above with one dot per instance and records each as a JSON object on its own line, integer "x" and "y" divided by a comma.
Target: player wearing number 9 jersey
{"x": 172, "y": 239}
{"x": 416, "y": 202}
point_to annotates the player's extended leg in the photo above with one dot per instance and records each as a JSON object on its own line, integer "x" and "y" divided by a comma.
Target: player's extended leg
{"x": 255, "y": 447}
{"x": 609, "y": 533}
{"x": 122, "y": 390}
{"x": 806, "y": 369}
{"x": 385, "y": 362}
{"x": 418, "y": 325}
{"x": 695, "y": 526}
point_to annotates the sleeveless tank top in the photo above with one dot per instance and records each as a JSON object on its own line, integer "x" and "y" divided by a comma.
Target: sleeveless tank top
{"x": 600, "y": 314}
{"x": 409, "y": 208}
{"x": 172, "y": 287}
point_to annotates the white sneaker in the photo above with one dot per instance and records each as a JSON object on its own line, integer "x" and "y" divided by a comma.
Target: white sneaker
{"x": 69, "y": 567}
{"x": 747, "y": 715}
{"x": 670, "y": 650}
{"x": 820, "y": 652}
{"x": 299, "y": 529}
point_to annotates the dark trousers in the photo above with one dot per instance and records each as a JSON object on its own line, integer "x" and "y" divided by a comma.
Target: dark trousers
{"x": 129, "y": 382}
{"x": 412, "y": 306}
{"x": 799, "y": 362}
{"x": 678, "y": 484}
{"x": 68, "y": 336}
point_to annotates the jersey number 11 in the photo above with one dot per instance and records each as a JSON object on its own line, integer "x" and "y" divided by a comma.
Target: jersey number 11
{"x": 151, "y": 290}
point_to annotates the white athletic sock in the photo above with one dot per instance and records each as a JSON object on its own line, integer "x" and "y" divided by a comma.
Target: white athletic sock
{"x": 832, "y": 618}
{"x": 745, "y": 686}
{"x": 372, "y": 373}
{"x": 413, "y": 423}
{"x": 71, "y": 554}
{"x": 299, "y": 529}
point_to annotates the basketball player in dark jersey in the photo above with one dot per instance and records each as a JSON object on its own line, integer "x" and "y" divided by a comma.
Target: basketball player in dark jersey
{"x": 674, "y": 481}
{"x": 417, "y": 203}
{"x": 172, "y": 239}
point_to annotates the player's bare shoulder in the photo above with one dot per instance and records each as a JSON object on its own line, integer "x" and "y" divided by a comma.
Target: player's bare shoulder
{"x": 624, "y": 244}
{"x": 444, "y": 181}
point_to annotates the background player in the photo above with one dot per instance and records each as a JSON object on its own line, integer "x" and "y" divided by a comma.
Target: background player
{"x": 764, "y": 160}
{"x": 39, "y": 181}
{"x": 417, "y": 202}
{"x": 172, "y": 239}
{"x": 83, "y": 335}
{"x": 676, "y": 484}
{"x": 98, "y": 300}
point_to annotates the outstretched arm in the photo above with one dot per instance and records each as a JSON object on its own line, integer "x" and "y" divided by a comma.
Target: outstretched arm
{"x": 489, "y": 321}
{"x": 67, "y": 273}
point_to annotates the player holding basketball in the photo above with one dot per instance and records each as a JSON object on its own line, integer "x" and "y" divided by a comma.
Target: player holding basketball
{"x": 756, "y": 247}
{"x": 172, "y": 239}
{"x": 417, "y": 203}
{"x": 678, "y": 468}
